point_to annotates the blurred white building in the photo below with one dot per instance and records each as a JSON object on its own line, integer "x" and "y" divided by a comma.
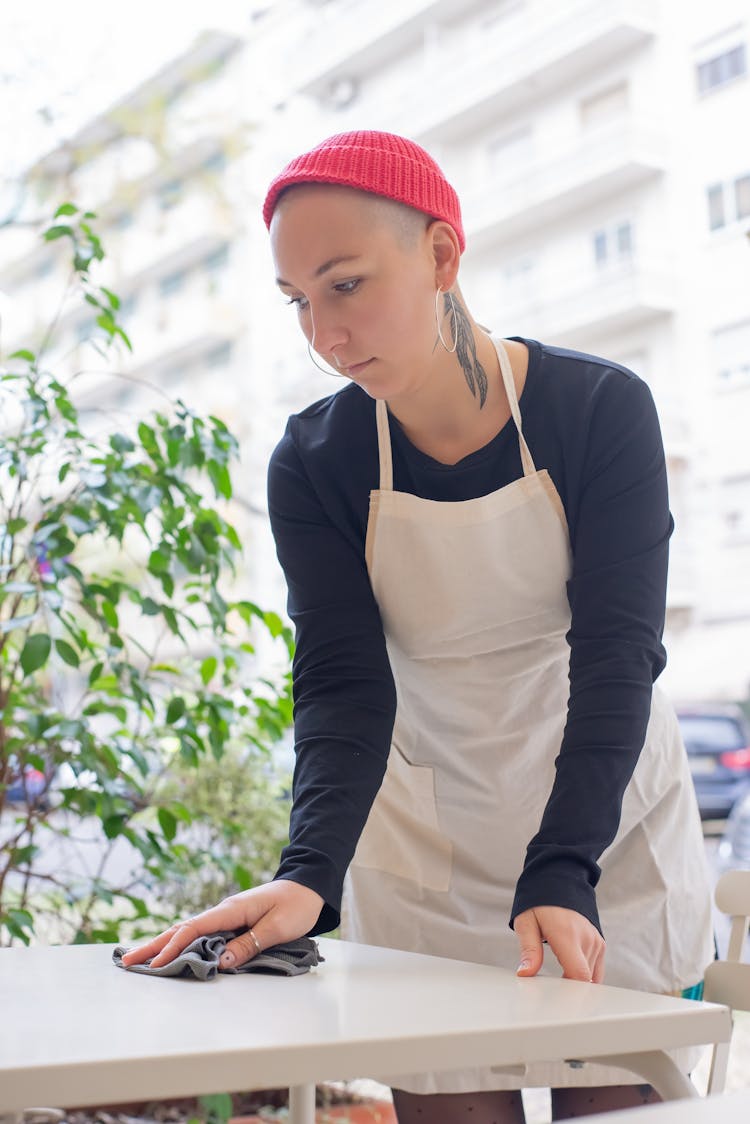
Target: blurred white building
{"x": 598, "y": 147}
{"x": 599, "y": 150}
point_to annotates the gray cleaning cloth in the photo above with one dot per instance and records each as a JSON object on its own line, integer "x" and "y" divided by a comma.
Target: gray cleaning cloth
{"x": 200, "y": 959}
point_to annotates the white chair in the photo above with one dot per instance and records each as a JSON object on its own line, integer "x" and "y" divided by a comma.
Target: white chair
{"x": 728, "y": 981}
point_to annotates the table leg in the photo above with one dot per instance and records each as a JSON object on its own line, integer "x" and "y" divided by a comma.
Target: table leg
{"x": 302, "y": 1104}
{"x": 659, "y": 1069}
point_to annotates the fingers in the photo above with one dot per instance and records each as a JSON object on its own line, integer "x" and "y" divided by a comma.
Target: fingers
{"x": 597, "y": 975}
{"x": 143, "y": 952}
{"x": 290, "y": 911}
{"x": 183, "y": 934}
{"x": 228, "y": 914}
{"x": 276, "y": 912}
{"x": 526, "y": 928}
{"x": 270, "y": 929}
{"x": 577, "y": 944}
{"x": 166, "y": 946}
{"x": 245, "y": 947}
{"x": 573, "y": 961}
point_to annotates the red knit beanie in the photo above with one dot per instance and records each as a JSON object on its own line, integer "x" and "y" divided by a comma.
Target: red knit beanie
{"x": 382, "y": 163}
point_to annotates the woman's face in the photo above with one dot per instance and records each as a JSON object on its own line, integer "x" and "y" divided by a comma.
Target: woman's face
{"x": 362, "y": 283}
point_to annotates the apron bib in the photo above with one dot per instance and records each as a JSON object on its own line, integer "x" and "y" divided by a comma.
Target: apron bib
{"x": 473, "y": 601}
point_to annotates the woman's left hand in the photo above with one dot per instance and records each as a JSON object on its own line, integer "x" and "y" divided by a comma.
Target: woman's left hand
{"x": 577, "y": 944}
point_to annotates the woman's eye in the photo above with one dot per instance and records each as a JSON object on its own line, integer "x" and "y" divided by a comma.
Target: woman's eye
{"x": 301, "y": 302}
{"x": 347, "y": 286}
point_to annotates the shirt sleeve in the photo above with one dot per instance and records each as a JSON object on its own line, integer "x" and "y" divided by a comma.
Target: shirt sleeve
{"x": 617, "y": 595}
{"x": 344, "y": 695}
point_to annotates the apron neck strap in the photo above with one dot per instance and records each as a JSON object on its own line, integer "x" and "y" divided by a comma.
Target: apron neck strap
{"x": 384, "y": 446}
{"x": 510, "y": 389}
{"x": 384, "y": 432}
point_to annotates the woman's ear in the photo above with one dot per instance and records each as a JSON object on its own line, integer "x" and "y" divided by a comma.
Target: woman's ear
{"x": 446, "y": 253}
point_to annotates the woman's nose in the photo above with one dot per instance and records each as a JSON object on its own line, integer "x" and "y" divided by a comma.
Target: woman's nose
{"x": 326, "y": 333}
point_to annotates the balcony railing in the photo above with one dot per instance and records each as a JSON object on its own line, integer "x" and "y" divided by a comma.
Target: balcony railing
{"x": 181, "y": 331}
{"x": 615, "y": 159}
{"x": 172, "y": 238}
{"x": 359, "y": 35}
{"x": 517, "y": 62}
{"x": 568, "y": 310}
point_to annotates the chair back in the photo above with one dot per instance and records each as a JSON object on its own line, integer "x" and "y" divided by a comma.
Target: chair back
{"x": 728, "y": 981}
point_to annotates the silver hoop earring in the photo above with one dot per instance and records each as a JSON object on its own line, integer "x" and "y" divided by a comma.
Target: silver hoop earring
{"x": 450, "y": 350}
{"x": 325, "y": 370}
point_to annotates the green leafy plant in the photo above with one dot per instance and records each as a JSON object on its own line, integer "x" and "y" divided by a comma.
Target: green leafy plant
{"x": 121, "y": 659}
{"x": 239, "y": 823}
{"x": 217, "y": 1108}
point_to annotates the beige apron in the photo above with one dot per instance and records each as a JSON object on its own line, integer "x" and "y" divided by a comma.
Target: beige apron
{"x": 473, "y": 602}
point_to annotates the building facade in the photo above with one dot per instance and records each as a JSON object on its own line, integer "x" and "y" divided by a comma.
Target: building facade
{"x": 597, "y": 147}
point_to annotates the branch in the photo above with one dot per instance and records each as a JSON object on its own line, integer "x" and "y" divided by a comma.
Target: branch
{"x": 56, "y": 318}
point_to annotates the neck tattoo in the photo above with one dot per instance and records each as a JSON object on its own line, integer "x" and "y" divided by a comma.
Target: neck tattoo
{"x": 466, "y": 349}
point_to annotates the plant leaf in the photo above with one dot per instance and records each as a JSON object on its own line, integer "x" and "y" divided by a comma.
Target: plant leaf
{"x": 176, "y": 709}
{"x": 168, "y": 823}
{"x": 67, "y": 653}
{"x": 35, "y": 652}
{"x": 55, "y": 232}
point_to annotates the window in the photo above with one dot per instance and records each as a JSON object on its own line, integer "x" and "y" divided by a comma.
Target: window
{"x": 84, "y": 330}
{"x": 624, "y": 240}
{"x": 218, "y": 260}
{"x": 45, "y": 269}
{"x": 169, "y": 194}
{"x": 721, "y": 68}
{"x": 600, "y": 247}
{"x": 215, "y": 163}
{"x": 172, "y": 283}
{"x": 613, "y": 244}
{"x": 728, "y": 202}
{"x": 219, "y": 356}
{"x": 742, "y": 196}
{"x": 177, "y": 91}
{"x": 127, "y": 306}
{"x": 731, "y": 348}
{"x": 716, "y": 217}
{"x": 735, "y": 502}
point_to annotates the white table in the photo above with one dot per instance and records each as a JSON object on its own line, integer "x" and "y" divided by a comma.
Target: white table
{"x": 76, "y": 1030}
{"x": 730, "y": 1108}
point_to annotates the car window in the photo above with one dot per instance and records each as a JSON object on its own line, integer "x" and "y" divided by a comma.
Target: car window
{"x": 706, "y": 733}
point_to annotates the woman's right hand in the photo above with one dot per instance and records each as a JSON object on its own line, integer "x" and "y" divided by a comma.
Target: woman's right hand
{"x": 277, "y": 912}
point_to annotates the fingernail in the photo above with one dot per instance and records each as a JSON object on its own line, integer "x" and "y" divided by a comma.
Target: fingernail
{"x": 522, "y": 966}
{"x": 227, "y": 960}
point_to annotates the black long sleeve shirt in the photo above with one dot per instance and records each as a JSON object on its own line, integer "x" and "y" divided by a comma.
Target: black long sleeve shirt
{"x": 593, "y": 425}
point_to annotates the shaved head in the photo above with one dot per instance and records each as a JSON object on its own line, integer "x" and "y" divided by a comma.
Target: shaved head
{"x": 405, "y": 222}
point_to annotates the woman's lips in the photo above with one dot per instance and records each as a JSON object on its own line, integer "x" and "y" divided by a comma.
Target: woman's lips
{"x": 356, "y": 368}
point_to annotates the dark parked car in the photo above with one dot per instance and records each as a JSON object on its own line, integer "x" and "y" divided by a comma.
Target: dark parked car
{"x": 717, "y": 739}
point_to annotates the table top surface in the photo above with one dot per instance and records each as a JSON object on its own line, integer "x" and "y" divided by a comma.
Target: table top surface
{"x": 72, "y": 1020}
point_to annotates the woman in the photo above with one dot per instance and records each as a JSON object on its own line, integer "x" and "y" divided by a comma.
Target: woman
{"x": 478, "y": 608}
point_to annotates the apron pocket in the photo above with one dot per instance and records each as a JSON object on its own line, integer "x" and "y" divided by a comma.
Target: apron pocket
{"x": 401, "y": 835}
